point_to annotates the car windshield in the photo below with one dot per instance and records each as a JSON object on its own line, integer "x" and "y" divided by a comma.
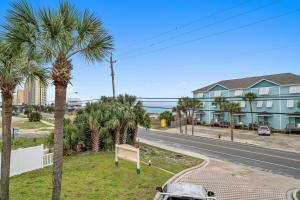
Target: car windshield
{"x": 263, "y": 128}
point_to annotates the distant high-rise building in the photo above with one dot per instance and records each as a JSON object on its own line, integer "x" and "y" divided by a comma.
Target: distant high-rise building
{"x": 35, "y": 92}
{"x": 20, "y": 97}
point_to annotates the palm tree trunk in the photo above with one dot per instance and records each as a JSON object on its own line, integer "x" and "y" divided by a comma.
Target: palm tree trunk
{"x": 6, "y": 146}
{"x": 180, "y": 125}
{"x": 193, "y": 122}
{"x": 231, "y": 127}
{"x": 95, "y": 141}
{"x": 186, "y": 122}
{"x": 117, "y": 135}
{"x": 251, "y": 115}
{"x": 135, "y": 132}
{"x": 60, "y": 105}
{"x": 125, "y": 133}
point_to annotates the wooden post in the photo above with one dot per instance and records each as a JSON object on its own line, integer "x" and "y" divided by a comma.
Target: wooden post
{"x": 138, "y": 170}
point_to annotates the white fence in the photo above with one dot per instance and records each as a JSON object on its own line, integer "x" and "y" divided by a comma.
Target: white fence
{"x": 28, "y": 159}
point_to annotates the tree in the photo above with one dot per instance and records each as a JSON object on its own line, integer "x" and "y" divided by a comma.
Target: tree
{"x": 15, "y": 68}
{"x": 178, "y": 110}
{"x": 250, "y": 97}
{"x": 194, "y": 104}
{"x": 184, "y": 105}
{"x": 58, "y": 35}
{"x": 167, "y": 115}
{"x": 232, "y": 108}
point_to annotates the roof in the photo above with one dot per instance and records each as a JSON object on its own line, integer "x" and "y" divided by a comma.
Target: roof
{"x": 279, "y": 79}
{"x": 182, "y": 189}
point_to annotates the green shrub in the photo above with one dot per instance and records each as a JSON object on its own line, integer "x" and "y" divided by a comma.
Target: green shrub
{"x": 35, "y": 117}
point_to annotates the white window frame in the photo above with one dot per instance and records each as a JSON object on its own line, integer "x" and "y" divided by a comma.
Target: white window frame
{"x": 242, "y": 104}
{"x": 200, "y": 95}
{"x": 269, "y": 104}
{"x": 294, "y": 89}
{"x": 290, "y": 103}
{"x": 264, "y": 91}
{"x": 217, "y": 93}
{"x": 238, "y": 93}
{"x": 259, "y": 104}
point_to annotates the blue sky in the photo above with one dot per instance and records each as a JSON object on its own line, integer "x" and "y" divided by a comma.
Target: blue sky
{"x": 146, "y": 68}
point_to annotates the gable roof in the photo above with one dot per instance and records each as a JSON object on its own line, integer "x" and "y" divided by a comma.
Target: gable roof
{"x": 279, "y": 79}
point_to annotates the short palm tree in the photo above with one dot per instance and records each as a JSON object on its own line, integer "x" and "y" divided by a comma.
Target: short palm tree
{"x": 185, "y": 106}
{"x": 232, "y": 108}
{"x": 15, "y": 68}
{"x": 58, "y": 34}
{"x": 250, "y": 97}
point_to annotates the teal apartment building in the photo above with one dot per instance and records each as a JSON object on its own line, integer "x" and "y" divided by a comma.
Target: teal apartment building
{"x": 277, "y": 93}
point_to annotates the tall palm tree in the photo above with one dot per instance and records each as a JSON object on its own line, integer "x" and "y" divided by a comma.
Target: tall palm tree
{"x": 58, "y": 35}
{"x": 178, "y": 110}
{"x": 250, "y": 97}
{"x": 194, "y": 104}
{"x": 219, "y": 102}
{"x": 15, "y": 68}
{"x": 185, "y": 106}
{"x": 232, "y": 108}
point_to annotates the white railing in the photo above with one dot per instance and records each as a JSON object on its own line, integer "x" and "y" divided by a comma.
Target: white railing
{"x": 47, "y": 159}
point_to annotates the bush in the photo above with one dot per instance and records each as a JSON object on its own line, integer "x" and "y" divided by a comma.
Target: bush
{"x": 35, "y": 117}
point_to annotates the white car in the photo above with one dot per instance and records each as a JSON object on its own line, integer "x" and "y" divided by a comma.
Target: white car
{"x": 184, "y": 191}
{"x": 263, "y": 130}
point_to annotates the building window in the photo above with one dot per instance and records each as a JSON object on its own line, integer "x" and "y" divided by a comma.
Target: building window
{"x": 290, "y": 103}
{"x": 200, "y": 95}
{"x": 217, "y": 94}
{"x": 294, "y": 89}
{"x": 259, "y": 104}
{"x": 238, "y": 93}
{"x": 264, "y": 91}
{"x": 269, "y": 104}
{"x": 242, "y": 104}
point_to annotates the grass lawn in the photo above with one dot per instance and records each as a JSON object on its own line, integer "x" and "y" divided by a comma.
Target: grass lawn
{"x": 93, "y": 176}
{"x": 168, "y": 160}
{"x": 23, "y": 123}
{"x": 26, "y": 142}
{"x": 298, "y": 195}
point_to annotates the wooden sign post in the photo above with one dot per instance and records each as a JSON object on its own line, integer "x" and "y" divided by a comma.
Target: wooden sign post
{"x": 128, "y": 152}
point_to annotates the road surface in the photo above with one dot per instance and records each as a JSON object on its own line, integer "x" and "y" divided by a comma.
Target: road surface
{"x": 276, "y": 161}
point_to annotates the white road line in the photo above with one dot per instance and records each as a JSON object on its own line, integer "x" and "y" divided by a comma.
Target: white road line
{"x": 252, "y": 159}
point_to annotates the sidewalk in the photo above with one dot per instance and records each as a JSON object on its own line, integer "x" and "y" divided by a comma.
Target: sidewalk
{"x": 230, "y": 181}
{"x": 276, "y": 140}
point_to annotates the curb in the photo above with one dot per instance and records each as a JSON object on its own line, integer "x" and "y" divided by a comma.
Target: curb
{"x": 176, "y": 176}
{"x": 292, "y": 194}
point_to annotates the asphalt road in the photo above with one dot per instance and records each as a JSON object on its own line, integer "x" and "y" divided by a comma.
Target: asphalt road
{"x": 276, "y": 161}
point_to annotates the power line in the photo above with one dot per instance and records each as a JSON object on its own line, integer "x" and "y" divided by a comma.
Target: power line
{"x": 208, "y": 25}
{"x": 221, "y": 32}
{"x": 188, "y": 24}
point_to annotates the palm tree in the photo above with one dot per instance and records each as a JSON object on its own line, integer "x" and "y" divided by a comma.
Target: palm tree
{"x": 178, "y": 110}
{"x": 250, "y": 97}
{"x": 140, "y": 118}
{"x": 15, "y": 68}
{"x": 92, "y": 117}
{"x": 185, "y": 106}
{"x": 232, "y": 108}
{"x": 194, "y": 104}
{"x": 220, "y": 102}
{"x": 58, "y": 35}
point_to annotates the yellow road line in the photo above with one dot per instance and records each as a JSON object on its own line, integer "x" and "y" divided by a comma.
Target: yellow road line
{"x": 215, "y": 145}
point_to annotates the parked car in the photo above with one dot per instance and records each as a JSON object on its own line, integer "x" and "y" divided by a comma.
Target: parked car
{"x": 263, "y": 130}
{"x": 184, "y": 191}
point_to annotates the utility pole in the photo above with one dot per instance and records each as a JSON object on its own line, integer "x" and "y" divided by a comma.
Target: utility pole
{"x": 111, "y": 61}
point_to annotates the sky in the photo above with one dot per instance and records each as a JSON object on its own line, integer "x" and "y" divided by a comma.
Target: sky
{"x": 168, "y": 48}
